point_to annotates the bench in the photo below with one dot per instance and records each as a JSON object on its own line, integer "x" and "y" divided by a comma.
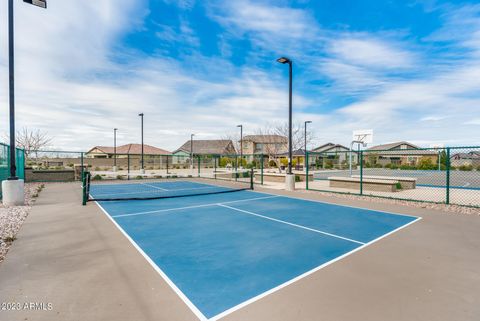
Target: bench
{"x": 376, "y": 185}
{"x": 405, "y": 182}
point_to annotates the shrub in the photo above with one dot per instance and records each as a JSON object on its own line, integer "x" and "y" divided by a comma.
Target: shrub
{"x": 139, "y": 177}
{"x": 97, "y": 178}
{"x": 271, "y": 163}
{"x": 478, "y": 168}
{"x": 398, "y": 186}
{"x": 119, "y": 177}
{"x": 97, "y": 168}
{"x": 378, "y": 166}
{"x": 426, "y": 163}
{"x": 466, "y": 168}
{"x": 297, "y": 178}
{"x": 70, "y": 165}
{"x": 284, "y": 162}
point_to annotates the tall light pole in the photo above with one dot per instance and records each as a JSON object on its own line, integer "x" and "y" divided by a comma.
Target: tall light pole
{"x": 115, "y": 149}
{"x": 191, "y": 151}
{"x": 290, "y": 183}
{"x": 13, "y": 193}
{"x": 143, "y": 168}
{"x": 241, "y": 142}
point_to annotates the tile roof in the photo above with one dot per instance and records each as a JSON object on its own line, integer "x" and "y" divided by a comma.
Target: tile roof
{"x": 211, "y": 146}
{"x": 132, "y": 149}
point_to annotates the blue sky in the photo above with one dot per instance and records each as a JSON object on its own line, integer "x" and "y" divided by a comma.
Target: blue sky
{"x": 409, "y": 70}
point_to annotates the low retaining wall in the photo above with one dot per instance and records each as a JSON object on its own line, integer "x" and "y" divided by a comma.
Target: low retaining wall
{"x": 368, "y": 184}
{"x": 280, "y": 177}
{"x": 405, "y": 182}
{"x": 49, "y": 175}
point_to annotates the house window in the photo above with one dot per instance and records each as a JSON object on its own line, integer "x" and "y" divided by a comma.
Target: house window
{"x": 258, "y": 148}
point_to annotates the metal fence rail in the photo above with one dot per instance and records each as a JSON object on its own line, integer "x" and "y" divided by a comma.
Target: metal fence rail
{"x": 61, "y": 166}
{"x": 448, "y": 175}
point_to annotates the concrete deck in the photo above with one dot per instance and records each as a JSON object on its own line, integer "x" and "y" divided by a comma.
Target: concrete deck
{"x": 74, "y": 258}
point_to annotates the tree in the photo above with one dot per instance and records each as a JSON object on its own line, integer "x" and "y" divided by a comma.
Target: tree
{"x": 31, "y": 140}
{"x": 298, "y": 134}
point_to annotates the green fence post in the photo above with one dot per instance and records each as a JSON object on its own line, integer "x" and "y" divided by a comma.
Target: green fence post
{"x": 198, "y": 165}
{"x": 361, "y": 172}
{"x": 128, "y": 166}
{"x": 81, "y": 165}
{"x": 447, "y": 197}
{"x": 215, "y": 167}
{"x": 306, "y": 170}
{"x": 261, "y": 169}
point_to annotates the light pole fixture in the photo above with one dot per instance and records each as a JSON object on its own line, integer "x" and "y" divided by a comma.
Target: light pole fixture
{"x": 141, "y": 115}
{"x": 241, "y": 141}
{"x": 115, "y": 148}
{"x": 285, "y": 60}
{"x": 191, "y": 150}
{"x": 11, "y": 82}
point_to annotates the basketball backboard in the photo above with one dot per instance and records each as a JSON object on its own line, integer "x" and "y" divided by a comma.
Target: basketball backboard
{"x": 38, "y": 3}
{"x": 363, "y": 135}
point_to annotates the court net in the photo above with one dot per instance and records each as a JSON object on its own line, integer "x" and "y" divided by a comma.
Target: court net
{"x": 145, "y": 187}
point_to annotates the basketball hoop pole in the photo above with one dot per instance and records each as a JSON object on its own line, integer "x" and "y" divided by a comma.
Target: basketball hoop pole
{"x": 351, "y": 148}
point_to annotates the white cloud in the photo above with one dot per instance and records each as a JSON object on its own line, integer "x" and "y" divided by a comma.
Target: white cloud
{"x": 372, "y": 53}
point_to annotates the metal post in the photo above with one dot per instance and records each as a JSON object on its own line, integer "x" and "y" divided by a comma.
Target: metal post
{"x": 305, "y": 136}
{"x": 191, "y": 151}
{"x": 447, "y": 197}
{"x": 11, "y": 83}
{"x": 128, "y": 166}
{"x": 439, "y": 157}
{"x": 81, "y": 165}
{"x": 198, "y": 165}
{"x": 361, "y": 172}
{"x": 115, "y": 147}
{"x": 141, "y": 115}
{"x": 261, "y": 170}
{"x": 215, "y": 167}
{"x": 306, "y": 167}
{"x": 290, "y": 152}
{"x": 167, "y": 164}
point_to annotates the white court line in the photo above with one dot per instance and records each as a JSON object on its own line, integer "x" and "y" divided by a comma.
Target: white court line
{"x": 193, "y": 206}
{"x": 281, "y": 286}
{"x": 277, "y": 288}
{"x": 292, "y": 224}
{"x": 153, "y": 186}
{"x": 182, "y": 296}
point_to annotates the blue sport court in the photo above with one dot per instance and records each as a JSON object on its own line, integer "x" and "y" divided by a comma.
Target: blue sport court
{"x": 220, "y": 252}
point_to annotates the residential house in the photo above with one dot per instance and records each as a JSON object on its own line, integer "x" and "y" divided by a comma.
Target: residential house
{"x": 264, "y": 144}
{"x": 124, "y": 150}
{"x": 332, "y": 155}
{"x": 212, "y": 147}
{"x": 465, "y": 159}
{"x": 399, "y": 153}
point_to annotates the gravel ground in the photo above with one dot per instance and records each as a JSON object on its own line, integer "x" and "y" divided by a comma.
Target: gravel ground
{"x": 440, "y": 207}
{"x": 12, "y": 218}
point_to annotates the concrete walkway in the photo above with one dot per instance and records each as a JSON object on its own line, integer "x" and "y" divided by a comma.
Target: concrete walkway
{"x": 73, "y": 257}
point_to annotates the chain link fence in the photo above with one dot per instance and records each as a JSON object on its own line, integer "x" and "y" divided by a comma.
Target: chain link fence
{"x": 438, "y": 175}
{"x": 5, "y": 163}
{"x": 62, "y": 166}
